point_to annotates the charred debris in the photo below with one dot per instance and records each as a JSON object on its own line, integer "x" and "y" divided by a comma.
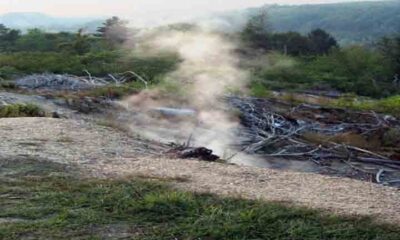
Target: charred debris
{"x": 345, "y": 143}
{"x": 325, "y": 136}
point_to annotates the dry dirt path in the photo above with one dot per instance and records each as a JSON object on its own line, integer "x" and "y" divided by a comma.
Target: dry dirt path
{"x": 104, "y": 152}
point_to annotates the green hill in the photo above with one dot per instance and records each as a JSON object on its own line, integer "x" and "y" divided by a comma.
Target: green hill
{"x": 348, "y": 22}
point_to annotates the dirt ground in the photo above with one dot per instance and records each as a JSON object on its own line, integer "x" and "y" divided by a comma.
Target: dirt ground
{"x": 105, "y": 152}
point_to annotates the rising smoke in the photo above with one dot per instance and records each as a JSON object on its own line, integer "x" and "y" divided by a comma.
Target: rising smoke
{"x": 209, "y": 68}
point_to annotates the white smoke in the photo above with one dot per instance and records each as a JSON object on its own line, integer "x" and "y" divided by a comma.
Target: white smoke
{"x": 209, "y": 68}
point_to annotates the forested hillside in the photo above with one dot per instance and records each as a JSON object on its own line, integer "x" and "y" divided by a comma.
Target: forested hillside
{"x": 349, "y": 22}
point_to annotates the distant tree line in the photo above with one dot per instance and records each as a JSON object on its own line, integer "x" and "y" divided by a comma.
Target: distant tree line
{"x": 112, "y": 34}
{"x": 351, "y": 22}
{"x": 257, "y": 34}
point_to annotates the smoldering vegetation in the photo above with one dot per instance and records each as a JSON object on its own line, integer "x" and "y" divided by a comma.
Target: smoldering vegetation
{"x": 207, "y": 70}
{"x": 203, "y": 111}
{"x": 188, "y": 86}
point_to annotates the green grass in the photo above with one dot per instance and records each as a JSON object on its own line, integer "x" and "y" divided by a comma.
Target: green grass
{"x": 259, "y": 90}
{"x": 46, "y": 202}
{"x": 20, "y": 110}
{"x": 390, "y": 105}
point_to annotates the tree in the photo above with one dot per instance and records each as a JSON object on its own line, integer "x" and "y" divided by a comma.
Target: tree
{"x": 80, "y": 44}
{"x": 36, "y": 40}
{"x": 3, "y": 30}
{"x": 256, "y": 32}
{"x": 8, "y": 38}
{"x": 321, "y": 41}
{"x": 290, "y": 43}
{"x": 114, "y": 31}
{"x": 390, "y": 49}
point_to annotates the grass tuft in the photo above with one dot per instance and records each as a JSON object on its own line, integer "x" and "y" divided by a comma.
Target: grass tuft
{"x": 20, "y": 110}
{"x": 43, "y": 204}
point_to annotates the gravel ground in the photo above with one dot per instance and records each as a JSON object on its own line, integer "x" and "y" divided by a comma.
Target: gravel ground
{"x": 104, "y": 152}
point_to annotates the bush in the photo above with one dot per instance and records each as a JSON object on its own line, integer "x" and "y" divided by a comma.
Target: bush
{"x": 97, "y": 63}
{"x": 7, "y": 85}
{"x": 37, "y": 62}
{"x": 7, "y": 72}
{"x": 20, "y": 110}
{"x": 352, "y": 69}
{"x": 280, "y": 72}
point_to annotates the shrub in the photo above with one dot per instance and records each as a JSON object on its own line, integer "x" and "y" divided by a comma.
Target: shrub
{"x": 20, "y": 110}
{"x": 37, "y": 62}
{"x": 7, "y": 85}
{"x": 279, "y": 72}
{"x": 258, "y": 89}
{"x": 7, "y": 72}
{"x": 353, "y": 69}
{"x": 97, "y": 63}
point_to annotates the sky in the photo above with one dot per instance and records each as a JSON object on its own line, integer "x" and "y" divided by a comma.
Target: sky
{"x": 130, "y": 8}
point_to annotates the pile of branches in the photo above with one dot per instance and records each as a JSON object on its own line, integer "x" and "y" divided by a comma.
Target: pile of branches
{"x": 59, "y": 82}
{"x": 275, "y": 129}
{"x": 66, "y": 82}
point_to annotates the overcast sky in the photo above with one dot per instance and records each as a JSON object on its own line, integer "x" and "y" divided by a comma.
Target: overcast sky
{"x": 127, "y": 8}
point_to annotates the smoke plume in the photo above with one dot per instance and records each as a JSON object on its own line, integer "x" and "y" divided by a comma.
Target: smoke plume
{"x": 209, "y": 68}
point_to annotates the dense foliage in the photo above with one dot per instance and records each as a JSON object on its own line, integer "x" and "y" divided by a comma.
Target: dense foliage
{"x": 98, "y": 63}
{"x": 351, "y": 69}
